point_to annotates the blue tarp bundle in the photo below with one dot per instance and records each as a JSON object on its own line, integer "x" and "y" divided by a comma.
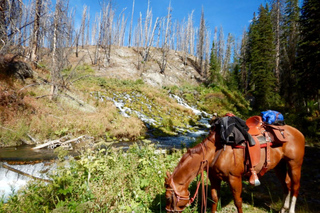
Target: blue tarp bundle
{"x": 271, "y": 117}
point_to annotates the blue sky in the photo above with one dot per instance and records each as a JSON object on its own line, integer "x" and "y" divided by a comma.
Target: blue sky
{"x": 232, "y": 15}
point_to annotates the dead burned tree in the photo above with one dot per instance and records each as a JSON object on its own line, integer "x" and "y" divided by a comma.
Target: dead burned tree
{"x": 83, "y": 26}
{"x": 98, "y": 38}
{"x": 227, "y": 57}
{"x": 147, "y": 37}
{"x": 3, "y": 24}
{"x": 10, "y": 15}
{"x": 120, "y": 29}
{"x": 201, "y": 43}
{"x": 106, "y": 32}
{"x": 220, "y": 48}
{"x": 104, "y": 35}
{"x": 207, "y": 54}
{"x": 60, "y": 23}
{"x": 131, "y": 22}
{"x": 190, "y": 34}
{"x": 166, "y": 43}
{"x": 138, "y": 40}
{"x": 36, "y": 32}
{"x": 149, "y": 44}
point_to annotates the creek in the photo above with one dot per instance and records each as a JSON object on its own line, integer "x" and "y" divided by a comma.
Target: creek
{"x": 18, "y": 165}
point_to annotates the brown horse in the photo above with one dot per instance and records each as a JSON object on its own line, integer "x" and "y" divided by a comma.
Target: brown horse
{"x": 227, "y": 164}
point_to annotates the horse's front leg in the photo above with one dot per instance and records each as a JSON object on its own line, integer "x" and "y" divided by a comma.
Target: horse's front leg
{"x": 235, "y": 183}
{"x": 215, "y": 190}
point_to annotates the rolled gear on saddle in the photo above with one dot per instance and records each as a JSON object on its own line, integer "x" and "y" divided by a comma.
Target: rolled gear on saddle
{"x": 272, "y": 117}
{"x": 229, "y": 134}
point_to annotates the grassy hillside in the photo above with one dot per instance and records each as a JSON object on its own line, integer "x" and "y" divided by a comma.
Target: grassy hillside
{"x": 85, "y": 107}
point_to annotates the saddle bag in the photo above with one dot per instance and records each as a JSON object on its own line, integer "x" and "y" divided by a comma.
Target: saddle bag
{"x": 278, "y": 134}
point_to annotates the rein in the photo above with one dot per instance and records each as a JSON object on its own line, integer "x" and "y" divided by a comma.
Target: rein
{"x": 179, "y": 197}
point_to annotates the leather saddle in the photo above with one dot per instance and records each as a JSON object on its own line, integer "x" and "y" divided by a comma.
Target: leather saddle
{"x": 265, "y": 136}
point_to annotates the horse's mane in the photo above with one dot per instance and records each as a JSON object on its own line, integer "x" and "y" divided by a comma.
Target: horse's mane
{"x": 194, "y": 150}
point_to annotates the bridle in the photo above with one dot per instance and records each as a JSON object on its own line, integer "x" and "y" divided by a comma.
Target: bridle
{"x": 176, "y": 197}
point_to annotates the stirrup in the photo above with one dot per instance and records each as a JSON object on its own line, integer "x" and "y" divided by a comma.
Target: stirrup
{"x": 254, "y": 180}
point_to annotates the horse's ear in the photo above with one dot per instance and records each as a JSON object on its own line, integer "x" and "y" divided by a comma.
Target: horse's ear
{"x": 168, "y": 175}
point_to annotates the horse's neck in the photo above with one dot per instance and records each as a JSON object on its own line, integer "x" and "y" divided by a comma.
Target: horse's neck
{"x": 190, "y": 165}
{"x": 188, "y": 170}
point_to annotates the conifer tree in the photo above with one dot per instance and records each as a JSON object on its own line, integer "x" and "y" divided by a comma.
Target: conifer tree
{"x": 261, "y": 48}
{"x": 290, "y": 39}
{"x": 243, "y": 82}
{"x": 214, "y": 66}
{"x": 309, "y": 51}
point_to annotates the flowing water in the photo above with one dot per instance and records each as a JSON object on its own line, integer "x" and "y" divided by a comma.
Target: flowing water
{"x": 19, "y": 164}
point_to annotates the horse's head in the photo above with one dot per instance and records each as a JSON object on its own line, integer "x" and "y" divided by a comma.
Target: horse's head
{"x": 177, "y": 201}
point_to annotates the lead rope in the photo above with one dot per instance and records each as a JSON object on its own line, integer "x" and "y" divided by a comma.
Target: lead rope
{"x": 204, "y": 189}
{"x": 200, "y": 171}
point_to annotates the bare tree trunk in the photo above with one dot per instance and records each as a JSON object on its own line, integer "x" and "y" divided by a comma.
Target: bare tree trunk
{"x": 99, "y": 41}
{"x": 165, "y": 46}
{"x": 138, "y": 40}
{"x": 146, "y": 54}
{"x": 191, "y": 33}
{"x": 207, "y": 55}
{"x": 201, "y": 37}
{"x": 88, "y": 28}
{"x": 159, "y": 33}
{"x": 54, "y": 70}
{"x": 131, "y": 22}
{"x": 227, "y": 57}
{"x": 83, "y": 26}
{"x": 59, "y": 50}
{"x": 122, "y": 30}
{"x": 77, "y": 43}
{"x": 36, "y": 32}
{"x": 221, "y": 49}
{"x": 3, "y": 24}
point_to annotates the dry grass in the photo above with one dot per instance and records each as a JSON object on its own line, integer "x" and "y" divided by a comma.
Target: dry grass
{"x": 22, "y": 112}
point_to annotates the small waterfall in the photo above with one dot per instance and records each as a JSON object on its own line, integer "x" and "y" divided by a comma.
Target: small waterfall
{"x": 186, "y": 136}
{"x": 119, "y": 102}
{"x": 203, "y": 115}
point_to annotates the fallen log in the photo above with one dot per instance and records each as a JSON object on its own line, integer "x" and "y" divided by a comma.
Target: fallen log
{"x": 24, "y": 174}
{"x": 72, "y": 140}
{"x": 58, "y": 142}
{"x": 47, "y": 144}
